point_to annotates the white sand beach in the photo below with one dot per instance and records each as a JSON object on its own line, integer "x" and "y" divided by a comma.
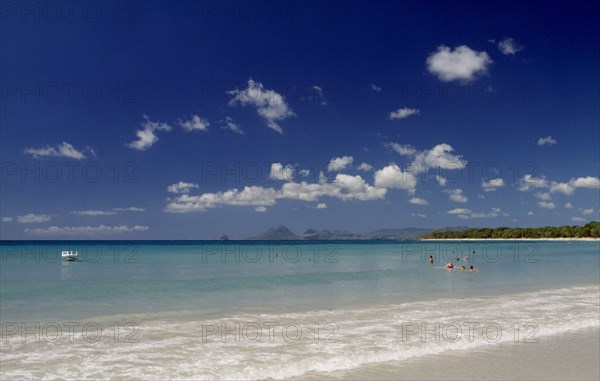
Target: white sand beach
{"x": 570, "y": 356}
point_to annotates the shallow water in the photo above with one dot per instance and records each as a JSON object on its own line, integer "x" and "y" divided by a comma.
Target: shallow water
{"x": 253, "y": 310}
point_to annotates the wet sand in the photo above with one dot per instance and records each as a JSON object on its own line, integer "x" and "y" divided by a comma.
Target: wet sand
{"x": 570, "y": 356}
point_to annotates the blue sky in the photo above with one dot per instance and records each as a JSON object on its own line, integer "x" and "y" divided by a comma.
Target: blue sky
{"x": 189, "y": 120}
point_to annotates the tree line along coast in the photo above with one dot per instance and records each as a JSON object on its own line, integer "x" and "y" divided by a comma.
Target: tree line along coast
{"x": 589, "y": 230}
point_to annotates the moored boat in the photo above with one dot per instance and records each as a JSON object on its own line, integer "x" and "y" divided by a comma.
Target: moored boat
{"x": 69, "y": 255}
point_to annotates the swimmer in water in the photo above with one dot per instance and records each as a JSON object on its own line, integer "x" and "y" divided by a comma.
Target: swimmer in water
{"x": 431, "y": 259}
{"x": 473, "y": 270}
{"x": 462, "y": 268}
{"x": 450, "y": 265}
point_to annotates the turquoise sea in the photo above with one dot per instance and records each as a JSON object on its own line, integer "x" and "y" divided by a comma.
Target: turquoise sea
{"x": 265, "y": 309}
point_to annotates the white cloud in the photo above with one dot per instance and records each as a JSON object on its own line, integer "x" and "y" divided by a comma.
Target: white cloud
{"x": 260, "y": 209}
{"x": 544, "y": 196}
{"x": 418, "y": 201}
{"x": 441, "y": 180}
{"x": 586, "y": 182}
{"x": 546, "y": 205}
{"x": 439, "y": 157}
{"x": 456, "y": 195}
{"x": 129, "y": 209}
{"x": 462, "y": 63}
{"x": 528, "y": 182}
{"x": 587, "y": 212}
{"x": 195, "y": 124}
{"x": 355, "y": 187}
{"x": 114, "y": 211}
{"x": 365, "y": 167}
{"x": 568, "y": 188}
{"x": 578, "y": 219}
{"x": 321, "y": 205}
{"x": 304, "y": 172}
{"x": 403, "y": 112}
{"x": 404, "y": 150}
{"x": 392, "y": 176}
{"x": 375, "y": 88}
{"x": 250, "y": 196}
{"x": 322, "y": 177}
{"x": 102, "y": 229}
{"x": 343, "y": 187}
{"x": 33, "y": 218}
{"x": 7, "y": 219}
{"x": 307, "y": 191}
{"x": 492, "y": 185}
{"x": 181, "y": 187}
{"x": 530, "y": 213}
{"x": 493, "y": 214}
{"x": 318, "y": 96}
{"x": 419, "y": 215}
{"x": 580, "y": 182}
{"x": 93, "y": 213}
{"x": 509, "y": 46}
{"x": 253, "y": 195}
{"x": 270, "y": 105}
{"x": 547, "y": 140}
{"x": 468, "y": 213}
{"x": 146, "y": 137}
{"x": 568, "y": 205}
{"x": 279, "y": 172}
{"x": 62, "y": 150}
{"x": 564, "y": 188}
{"x": 229, "y": 124}
{"x": 339, "y": 163}
{"x": 459, "y": 211}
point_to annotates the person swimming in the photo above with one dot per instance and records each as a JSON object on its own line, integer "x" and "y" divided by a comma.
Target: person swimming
{"x": 450, "y": 265}
{"x": 473, "y": 269}
{"x": 466, "y": 259}
{"x": 431, "y": 259}
{"x": 462, "y": 268}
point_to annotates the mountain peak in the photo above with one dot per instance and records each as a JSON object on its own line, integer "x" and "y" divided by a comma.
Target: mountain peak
{"x": 280, "y": 232}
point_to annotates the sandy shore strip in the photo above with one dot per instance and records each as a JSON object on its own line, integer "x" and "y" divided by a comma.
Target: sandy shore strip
{"x": 589, "y": 239}
{"x": 569, "y": 356}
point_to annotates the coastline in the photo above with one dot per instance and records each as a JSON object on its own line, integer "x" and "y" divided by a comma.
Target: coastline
{"x": 586, "y": 239}
{"x": 353, "y": 317}
{"x": 544, "y": 360}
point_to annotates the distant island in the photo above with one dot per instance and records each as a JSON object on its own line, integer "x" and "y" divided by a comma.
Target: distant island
{"x": 589, "y": 230}
{"x": 281, "y": 233}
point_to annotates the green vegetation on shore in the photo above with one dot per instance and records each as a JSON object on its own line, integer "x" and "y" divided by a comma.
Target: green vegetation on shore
{"x": 591, "y": 229}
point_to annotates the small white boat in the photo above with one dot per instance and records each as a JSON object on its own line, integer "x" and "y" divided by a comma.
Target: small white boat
{"x": 69, "y": 255}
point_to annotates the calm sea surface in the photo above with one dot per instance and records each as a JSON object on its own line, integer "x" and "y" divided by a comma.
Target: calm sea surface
{"x": 255, "y": 310}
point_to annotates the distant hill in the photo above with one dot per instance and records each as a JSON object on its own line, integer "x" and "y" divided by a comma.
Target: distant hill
{"x": 283, "y": 233}
{"x": 312, "y": 234}
{"x": 278, "y": 233}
